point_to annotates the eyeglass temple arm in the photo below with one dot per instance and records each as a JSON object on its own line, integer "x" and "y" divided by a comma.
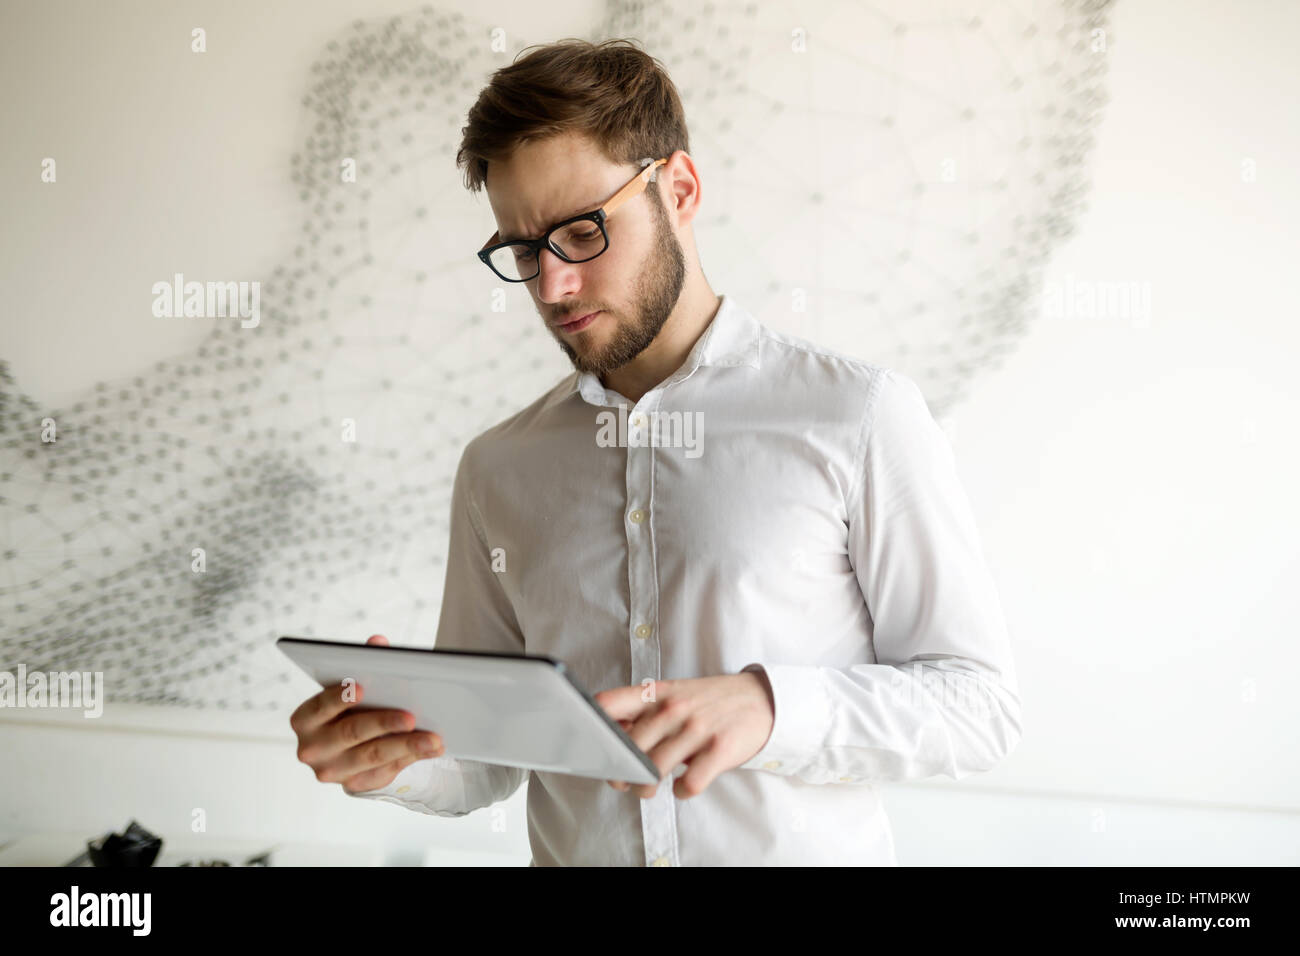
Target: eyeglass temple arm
{"x": 636, "y": 185}
{"x": 654, "y": 165}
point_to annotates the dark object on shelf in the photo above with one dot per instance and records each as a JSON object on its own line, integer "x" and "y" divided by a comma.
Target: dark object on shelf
{"x": 136, "y": 846}
{"x": 261, "y": 859}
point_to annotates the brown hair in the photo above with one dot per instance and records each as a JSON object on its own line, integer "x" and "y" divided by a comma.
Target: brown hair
{"x": 613, "y": 92}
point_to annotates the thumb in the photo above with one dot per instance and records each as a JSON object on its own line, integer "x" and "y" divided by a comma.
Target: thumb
{"x": 378, "y": 639}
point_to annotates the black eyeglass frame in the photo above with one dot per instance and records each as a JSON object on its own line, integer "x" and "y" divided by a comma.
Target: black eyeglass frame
{"x": 633, "y": 188}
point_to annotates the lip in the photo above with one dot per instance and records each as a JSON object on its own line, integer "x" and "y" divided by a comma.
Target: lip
{"x": 580, "y": 323}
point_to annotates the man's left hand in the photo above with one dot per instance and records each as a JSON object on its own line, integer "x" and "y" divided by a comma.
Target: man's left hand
{"x": 711, "y": 724}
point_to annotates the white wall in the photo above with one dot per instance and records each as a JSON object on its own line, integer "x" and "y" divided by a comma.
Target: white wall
{"x": 1135, "y": 480}
{"x": 1132, "y": 478}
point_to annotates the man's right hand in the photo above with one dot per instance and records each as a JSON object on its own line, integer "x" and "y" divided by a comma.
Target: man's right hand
{"x": 360, "y": 749}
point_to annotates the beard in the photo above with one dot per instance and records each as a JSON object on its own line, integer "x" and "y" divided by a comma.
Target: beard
{"x": 658, "y": 288}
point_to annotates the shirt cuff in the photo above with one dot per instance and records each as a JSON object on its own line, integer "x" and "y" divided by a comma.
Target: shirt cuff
{"x": 802, "y": 719}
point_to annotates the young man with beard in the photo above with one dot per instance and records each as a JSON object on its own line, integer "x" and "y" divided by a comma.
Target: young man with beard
{"x": 781, "y": 622}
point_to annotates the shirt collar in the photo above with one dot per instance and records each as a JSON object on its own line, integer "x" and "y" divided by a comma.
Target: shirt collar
{"x": 732, "y": 338}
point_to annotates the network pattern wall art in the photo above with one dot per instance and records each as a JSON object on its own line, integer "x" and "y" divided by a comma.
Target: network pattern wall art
{"x": 881, "y": 178}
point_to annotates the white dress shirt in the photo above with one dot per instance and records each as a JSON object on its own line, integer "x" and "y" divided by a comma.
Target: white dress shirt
{"x": 811, "y": 525}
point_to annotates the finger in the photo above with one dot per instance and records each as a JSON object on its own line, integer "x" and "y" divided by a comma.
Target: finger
{"x": 317, "y": 711}
{"x": 350, "y": 731}
{"x": 378, "y": 639}
{"x": 701, "y": 771}
{"x": 624, "y": 703}
{"x": 379, "y": 777}
{"x": 662, "y": 723}
{"x": 680, "y": 748}
{"x": 378, "y": 752}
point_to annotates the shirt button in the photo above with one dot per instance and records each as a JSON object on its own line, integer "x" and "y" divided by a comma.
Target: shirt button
{"x": 638, "y": 420}
{"x": 403, "y": 788}
{"x": 643, "y": 630}
{"x": 662, "y": 861}
{"x": 637, "y": 516}
{"x": 771, "y": 765}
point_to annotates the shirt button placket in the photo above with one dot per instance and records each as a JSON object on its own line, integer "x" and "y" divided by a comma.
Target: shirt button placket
{"x": 658, "y": 818}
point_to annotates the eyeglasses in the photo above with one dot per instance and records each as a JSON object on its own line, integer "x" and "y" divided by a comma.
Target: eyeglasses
{"x": 578, "y": 239}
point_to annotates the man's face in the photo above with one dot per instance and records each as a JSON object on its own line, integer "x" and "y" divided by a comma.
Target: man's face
{"x": 635, "y": 283}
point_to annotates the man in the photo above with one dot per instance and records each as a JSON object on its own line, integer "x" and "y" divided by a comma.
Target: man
{"x": 783, "y": 611}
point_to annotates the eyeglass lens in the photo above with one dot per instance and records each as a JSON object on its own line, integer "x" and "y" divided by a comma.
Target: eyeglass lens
{"x": 577, "y": 241}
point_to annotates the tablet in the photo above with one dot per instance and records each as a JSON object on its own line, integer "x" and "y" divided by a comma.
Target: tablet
{"x": 519, "y": 710}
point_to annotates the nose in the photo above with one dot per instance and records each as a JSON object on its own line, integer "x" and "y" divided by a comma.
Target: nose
{"x": 555, "y": 278}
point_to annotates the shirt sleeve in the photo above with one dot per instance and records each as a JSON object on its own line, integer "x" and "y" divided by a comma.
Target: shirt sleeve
{"x": 942, "y": 697}
{"x": 476, "y": 614}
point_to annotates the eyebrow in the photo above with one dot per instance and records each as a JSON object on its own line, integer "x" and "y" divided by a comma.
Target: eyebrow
{"x": 567, "y": 215}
